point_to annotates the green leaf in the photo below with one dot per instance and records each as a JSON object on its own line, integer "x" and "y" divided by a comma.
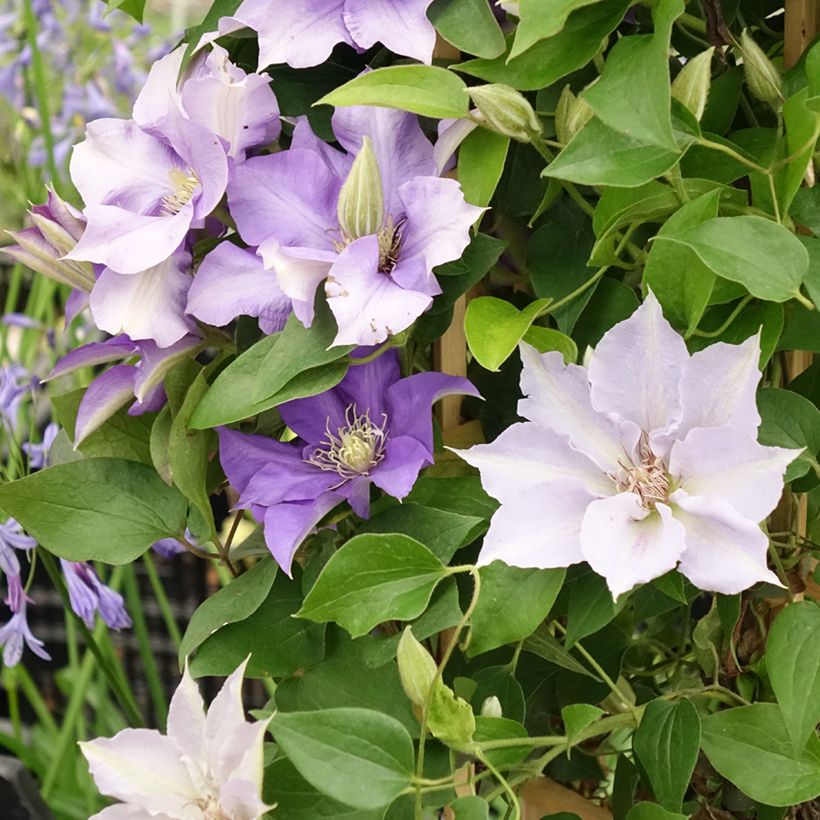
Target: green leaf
{"x": 470, "y": 808}
{"x": 551, "y": 59}
{"x": 469, "y": 25}
{"x": 372, "y": 579}
{"x": 544, "y": 339}
{"x": 764, "y": 257}
{"x": 539, "y": 20}
{"x": 294, "y": 363}
{"x": 544, "y": 645}
{"x": 100, "y": 509}
{"x": 234, "y": 602}
{"x": 597, "y": 155}
{"x": 793, "y": 663}
{"x": 495, "y": 728}
{"x": 667, "y": 743}
{"x": 494, "y": 327}
{"x": 462, "y": 494}
{"x": 481, "y": 160}
{"x": 682, "y": 283}
{"x": 356, "y": 756}
{"x": 136, "y": 8}
{"x": 296, "y": 799}
{"x": 421, "y": 89}
{"x": 652, "y": 811}
{"x": 512, "y": 602}
{"x": 278, "y": 643}
{"x": 792, "y": 421}
{"x": 633, "y": 94}
{"x": 590, "y": 607}
{"x": 802, "y": 130}
{"x": 750, "y": 746}
{"x": 450, "y": 718}
{"x": 577, "y": 717}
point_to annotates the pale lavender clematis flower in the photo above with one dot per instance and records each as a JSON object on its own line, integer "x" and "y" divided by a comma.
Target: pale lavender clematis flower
{"x": 302, "y": 33}
{"x": 144, "y": 192}
{"x": 372, "y": 428}
{"x": 214, "y": 93}
{"x": 206, "y": 766}
{"x": 381, "y": 279}
{"x": 15, "y": 634}
{"x": 645, "y": 461}
{"x": 89, "y": 595}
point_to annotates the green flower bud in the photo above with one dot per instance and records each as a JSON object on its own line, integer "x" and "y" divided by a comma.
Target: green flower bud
{"x": 361, "y": 202}
{"x": 491, "y": 707}
{"x": 762, "y": 76}
{"x": 691, "y": 86}
{"x": 506, "y": 111}
{"x": 417, "y": 669}
{"x": 571, "y": 115}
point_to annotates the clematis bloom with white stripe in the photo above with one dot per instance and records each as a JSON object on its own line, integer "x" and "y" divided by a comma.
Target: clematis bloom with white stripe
{"x": 645, "y": 461}
{"x": 207, "y": 766}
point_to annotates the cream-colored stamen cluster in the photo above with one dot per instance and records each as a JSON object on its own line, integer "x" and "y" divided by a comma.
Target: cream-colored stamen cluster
{"x": 184, "y": 184}
{"x": 354, "y": 449}
{"x": 648, "y": 479}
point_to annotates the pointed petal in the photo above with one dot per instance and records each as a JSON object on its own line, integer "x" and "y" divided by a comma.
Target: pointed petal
{"x": 303, "y": 138}
{"x": 288, "y": 524}
{"x": 290, "y": 197}
{"x": 541, "y": 528}
{"x": 627, "y": 545}
{"x": 636, "y": 369}
{"x": 367, "y": 304}
{"x": 94, "y": 353}
{"x": 243, "y": 455}
{"x": 400, "y": 25}
{"x": 557, "y": 399}
{"x": 105, "y": 395}
{"x": 157, "y": 361}
{"x": 526, "y": 454}
{"x": 186, "y": 718}
{"x": 728, "y": 465}
{"x": 159, "y": 94}
{"x": 232, "y": 281}
{"x": 147, "y": 305}
{"x": 725, "y": 552}
{"x": 403, "y": 460}
{"x": 366, "y": 385}
{"x": 143, "y": 768}
{"x": 310, "y": 418}
{"x": 127, "y": 811}
{"x": 225, "y": 715}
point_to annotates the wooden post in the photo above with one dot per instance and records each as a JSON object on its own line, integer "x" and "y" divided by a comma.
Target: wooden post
{"x": 450, "y": 351}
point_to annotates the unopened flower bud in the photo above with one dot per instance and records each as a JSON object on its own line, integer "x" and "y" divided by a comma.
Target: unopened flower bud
{"x": 762, "y": 76}
{"x": 571, "y": 115}
{"x": 691, "y": 86}
{"x": 491, "y": 707}
{"x": 417, "y": 669}
{"x": 505, "y": 110}
{"x": 361, "y": 202}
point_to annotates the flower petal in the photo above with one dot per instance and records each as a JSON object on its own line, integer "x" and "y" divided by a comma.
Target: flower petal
{"x": 400, "y": 25}
{"x": 159, "y": 93}
{"x": 403, "y": 460}
{"x": 94, "y": 353}
{"x": 627, "y": 545}
{"x": 541, "y": 528}
{"x": 368, "y": 305}
{"x": 557, "y": 399}
{"x": 728, "y": 465}
{"x": 725, "y": 552}
{"x": 146, "y": 305}
{"x": 366, "y": 385}
{"x": 156, "y": 361}
{"x": 186, "y": 718}
{"x": 526, "y": 454}
{"x": 636, "y": 369}
{"x": 243, "y": 455}
{"x": 232, "y": 281}
{"x": 288, "y": 524}
{"x": 225, "y": 715}
{"x": 105, "y": 395}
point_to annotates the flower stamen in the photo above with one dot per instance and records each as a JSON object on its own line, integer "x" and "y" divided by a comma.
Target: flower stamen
{"x": 183, "y": 184}
{"x": 648, "y": 479}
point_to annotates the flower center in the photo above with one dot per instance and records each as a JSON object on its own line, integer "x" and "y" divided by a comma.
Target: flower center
{"x": 354, "y": 449}
{"x": 648, "y": 479}
{"x": 211, "y": 810}
{"x": 389, "y": 237}
{"x": 184, "y": 185}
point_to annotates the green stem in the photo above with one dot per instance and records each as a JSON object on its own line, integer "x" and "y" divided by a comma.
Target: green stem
{"x": 781, "y": 572}
{"x": 713, "y": 334}
{"x": 514, "y": 802}
{"x": 725, "y": 149}
{"x": 152, "y": 676}
{"x": 162, "y": 600}
{"x": 35, "y": 699}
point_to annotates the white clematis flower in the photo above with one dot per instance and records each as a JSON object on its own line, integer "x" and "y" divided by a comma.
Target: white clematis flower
{"x": 643, "y": 461}
{"x": 208, "y": 767}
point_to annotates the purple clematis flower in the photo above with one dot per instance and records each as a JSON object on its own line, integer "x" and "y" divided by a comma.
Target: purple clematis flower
{"x": 372, "y": 229}
{"x": 645, "y": 461}
{"x": 302, "y": 33}
{"x": 88, "y": 595}
{"x": 372, "y": 428}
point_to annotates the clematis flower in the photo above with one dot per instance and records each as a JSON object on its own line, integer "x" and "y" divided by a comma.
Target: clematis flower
{"x": 206, "y": 766}
{"x": 302, "y": 33}
{"x": 645, "y": 461}
{"x": 89, "y": 595}
{"x": 371, "y": 224}
{"x": 372, "y": 428}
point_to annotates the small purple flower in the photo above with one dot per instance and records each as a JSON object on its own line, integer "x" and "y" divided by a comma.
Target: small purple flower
{"x": 302, "y": 33}
{"x": 645, "y": 461}
{"x": 88, "y": 595}
{"x": 38, "y": 453}
{"x": 372, "y": 428}
{"x": 16, "y": 634}
{"x": 14, "y": 385}
{"x": 12, "y": 538}
{"x": 376, "y": 262}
